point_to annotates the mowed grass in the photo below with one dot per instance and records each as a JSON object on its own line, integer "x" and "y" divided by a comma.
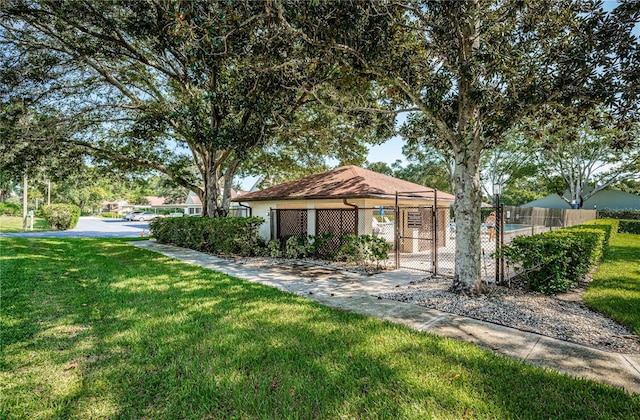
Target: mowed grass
{"x": 9, "y": 224}
{"x": 100, "y": 329}
{"x": 615, "y": 289}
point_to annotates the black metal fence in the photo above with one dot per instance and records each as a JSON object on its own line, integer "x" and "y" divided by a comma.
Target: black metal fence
{"x": 526, "y": 221}
{"x": 424, "y": 237}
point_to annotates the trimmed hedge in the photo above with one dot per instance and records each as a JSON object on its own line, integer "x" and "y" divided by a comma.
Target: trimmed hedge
{"x": 619, "y": 214}
{"x": 219, "y": 236}
{"x": 62, "y": 216}
{"x": 610, "y": 227}
{"x": 629, "y": 226}
{"x": 556, "y": 261}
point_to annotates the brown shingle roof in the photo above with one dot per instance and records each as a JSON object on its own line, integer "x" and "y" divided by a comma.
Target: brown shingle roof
{"x": 343, "y": 182}
{"x": 155, "y": 201}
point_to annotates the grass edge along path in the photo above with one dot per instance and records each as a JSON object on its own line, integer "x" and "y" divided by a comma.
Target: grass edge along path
{"x": 615, "y": 288}
{"x": 95, "y": 328}
{"x": 14, "y": 224}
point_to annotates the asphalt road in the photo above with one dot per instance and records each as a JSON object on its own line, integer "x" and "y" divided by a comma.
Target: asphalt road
{"x": 93, "y": 227}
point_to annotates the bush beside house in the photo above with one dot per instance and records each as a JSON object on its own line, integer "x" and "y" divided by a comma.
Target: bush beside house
{"x": 220, "y": 236}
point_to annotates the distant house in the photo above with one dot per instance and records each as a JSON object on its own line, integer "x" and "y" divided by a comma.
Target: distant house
{"x": 118, "y": 206}
{"x": 348, "y": 200}
{"x": 602, "y": 200}
{"x": 193, "y": 205}
{"x": 155, "y": 201}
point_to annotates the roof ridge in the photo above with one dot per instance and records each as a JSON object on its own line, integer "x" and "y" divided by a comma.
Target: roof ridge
{"x": 344, "y": 181}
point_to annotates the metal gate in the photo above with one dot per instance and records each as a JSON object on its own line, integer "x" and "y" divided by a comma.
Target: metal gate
{"x": 424, "y": 242}
{"x": 416, "y": 245}
{"x": 416, "y": 231}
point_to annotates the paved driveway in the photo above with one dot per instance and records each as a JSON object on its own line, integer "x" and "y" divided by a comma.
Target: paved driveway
{"x": 93, "y": 227}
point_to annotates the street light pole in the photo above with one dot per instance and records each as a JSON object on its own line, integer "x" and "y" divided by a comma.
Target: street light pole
{"x": 497, "y": 190}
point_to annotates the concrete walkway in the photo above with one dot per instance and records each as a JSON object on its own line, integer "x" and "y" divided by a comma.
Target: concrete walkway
{"x": 353, "y": 292}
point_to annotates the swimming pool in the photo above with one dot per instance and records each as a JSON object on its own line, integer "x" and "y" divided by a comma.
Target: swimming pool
{"x": 513, "y": 227}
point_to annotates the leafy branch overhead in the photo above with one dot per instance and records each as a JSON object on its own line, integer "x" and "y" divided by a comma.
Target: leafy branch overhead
{"x": 156, "y": 81}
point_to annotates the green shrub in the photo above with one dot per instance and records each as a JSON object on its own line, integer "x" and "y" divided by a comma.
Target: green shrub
{"x": 10, "y": 209}
{"x": 610, "y": 227}
{"x": 62, "y": 216}
{"x": 110, "y": 214}
{"x": 219, "y": 236}
{"x": 555, "y": 261}
{"x": 321, "y": 246}
{"x": 297, "y": 247}
{"x": 273, "y": 249}
{"x": 365, "y": 249}
{"x": 619, "y": 214}
{"x": 629, "y": 226}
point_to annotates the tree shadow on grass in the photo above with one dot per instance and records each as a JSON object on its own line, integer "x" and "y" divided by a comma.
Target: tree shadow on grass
{"x": 160, "y": 339}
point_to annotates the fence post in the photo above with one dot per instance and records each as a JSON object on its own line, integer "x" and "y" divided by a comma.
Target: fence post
{"x": 501, "y": 242}
{"x": 272, "y": 227}
{"x": 434, "y": 235}
{"x": 397, "y": 233}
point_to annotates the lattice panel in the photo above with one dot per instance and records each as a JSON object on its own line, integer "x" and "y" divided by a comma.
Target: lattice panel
{"x": 291, "y": 223}
{"x": 338, "y": 222}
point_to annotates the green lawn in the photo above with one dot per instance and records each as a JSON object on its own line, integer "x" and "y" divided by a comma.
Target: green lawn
{"x": 14, "y": 224}
{"x": 100, "y": 329}
{"x": 615, "y": 289}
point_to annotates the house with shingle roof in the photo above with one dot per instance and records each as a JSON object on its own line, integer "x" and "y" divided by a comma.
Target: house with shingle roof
{"x": 348, "y": 199}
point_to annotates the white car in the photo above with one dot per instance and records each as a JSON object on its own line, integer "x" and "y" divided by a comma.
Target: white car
{"x": 145, "y": 216}
{"x": 131, "y": 215}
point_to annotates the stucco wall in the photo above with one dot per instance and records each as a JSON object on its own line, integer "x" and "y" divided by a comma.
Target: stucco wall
{"x": 365, "y": 217}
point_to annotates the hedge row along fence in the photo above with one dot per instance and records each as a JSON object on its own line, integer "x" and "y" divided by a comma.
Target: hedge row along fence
{"x": 629, "y": 226}
{"x": 619, "y": 214}
{"x": 556, "y": 261}
{"x": 239, "y": 236}
{"x": 220, "y": 236}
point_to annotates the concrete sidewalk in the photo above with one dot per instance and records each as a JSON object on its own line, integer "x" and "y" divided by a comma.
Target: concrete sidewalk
{"x": 353, "y": 292}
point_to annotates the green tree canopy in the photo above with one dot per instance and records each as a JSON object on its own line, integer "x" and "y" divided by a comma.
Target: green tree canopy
{"x": 164, "y": 83}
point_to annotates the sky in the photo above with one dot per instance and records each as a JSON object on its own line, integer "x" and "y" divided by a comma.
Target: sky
{"x": 388, "y": 152}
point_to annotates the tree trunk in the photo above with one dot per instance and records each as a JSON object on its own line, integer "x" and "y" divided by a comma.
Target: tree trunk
{"x": 211, "y": 193}
{"x": 216, "y": 196}
{"x": 467, "y": 215}
{"x": 467, "y": 145}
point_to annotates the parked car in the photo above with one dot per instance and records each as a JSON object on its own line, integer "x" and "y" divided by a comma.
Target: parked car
{"x": 144, "y": 216}
{"x": 132, "y": 215}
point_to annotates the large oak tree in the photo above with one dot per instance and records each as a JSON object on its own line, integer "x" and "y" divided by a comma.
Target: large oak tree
{"x": 163, "y": 83}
